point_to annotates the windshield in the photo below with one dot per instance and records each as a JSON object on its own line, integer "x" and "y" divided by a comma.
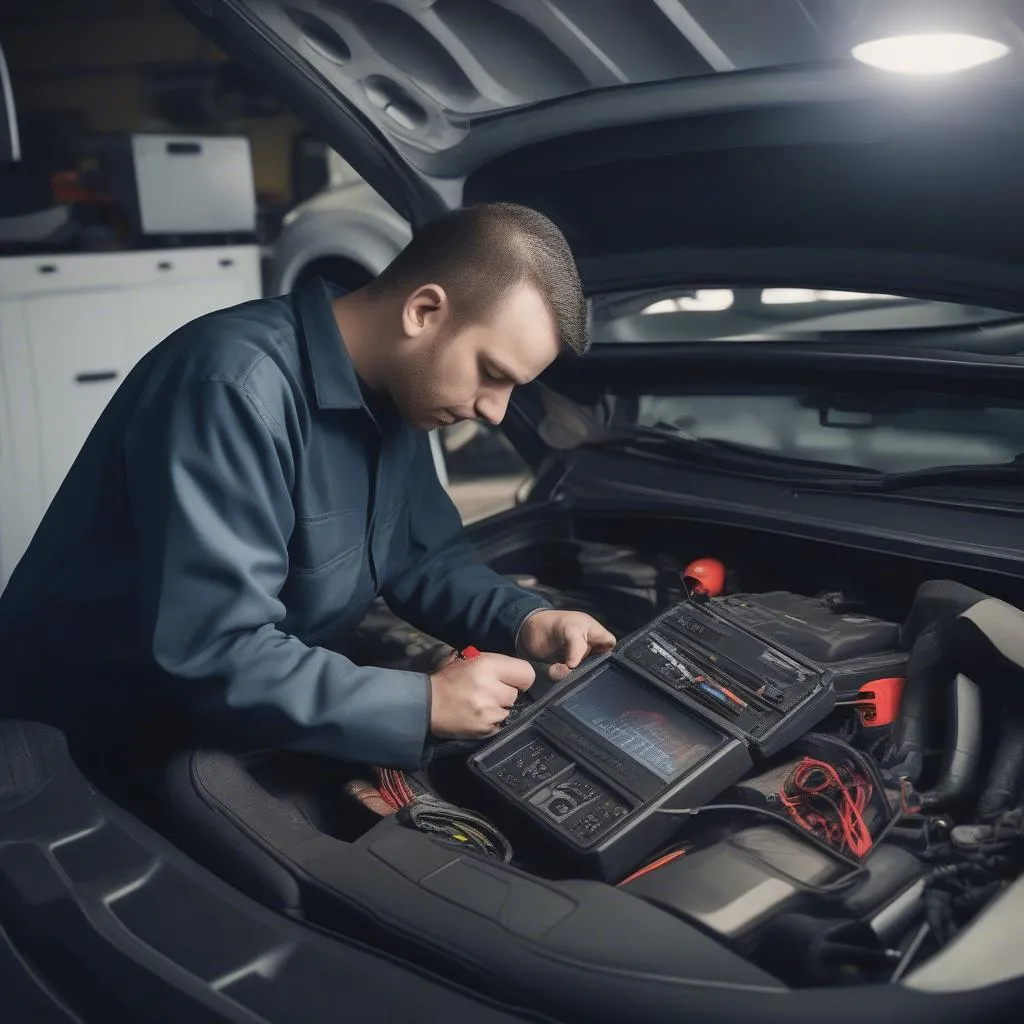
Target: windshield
{"x": 880, "y": 430}
{"x": 909, "y": 432}
{"x": 761, "y": 314}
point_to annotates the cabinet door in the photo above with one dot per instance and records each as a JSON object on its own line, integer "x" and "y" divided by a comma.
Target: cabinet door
{"x": 155, "y": 311}
{"x": 79, "y": 357}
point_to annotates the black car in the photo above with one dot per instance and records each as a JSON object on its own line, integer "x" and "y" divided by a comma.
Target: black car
{"x": 788, "y": 475}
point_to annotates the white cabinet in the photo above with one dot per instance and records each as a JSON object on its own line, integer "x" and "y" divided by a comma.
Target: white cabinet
{"x": 71, "y": 328}
{"x": 78, "y": 345}
{"x": 20, "y": 480}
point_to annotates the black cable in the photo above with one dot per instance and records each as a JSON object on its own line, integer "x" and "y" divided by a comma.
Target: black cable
{"x": 430, "y": 815}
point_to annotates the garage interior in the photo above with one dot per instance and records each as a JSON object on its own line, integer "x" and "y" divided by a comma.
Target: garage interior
{"x": 797, "y": 513}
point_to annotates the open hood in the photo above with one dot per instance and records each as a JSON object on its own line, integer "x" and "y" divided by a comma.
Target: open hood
{"x": 682, "y": 145}
{"x": 710, "y": 139}
{"x": 415, "y": 93}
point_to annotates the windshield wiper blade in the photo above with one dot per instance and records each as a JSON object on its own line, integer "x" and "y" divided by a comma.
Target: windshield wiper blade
{"x": 1000, "y": 474}
{"x": 682, "y": 447}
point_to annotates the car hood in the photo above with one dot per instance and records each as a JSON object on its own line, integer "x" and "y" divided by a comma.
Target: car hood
{"x": 669, "y": 155}
{"x": 657, "y": 138}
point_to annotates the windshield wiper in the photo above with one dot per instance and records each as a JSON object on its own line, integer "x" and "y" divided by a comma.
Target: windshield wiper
{"x": 678, "y": 446}
{"x": 1001, "y": 474}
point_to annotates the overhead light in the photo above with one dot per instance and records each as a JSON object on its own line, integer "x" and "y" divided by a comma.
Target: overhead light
{"x": 831, "y": 296}
{"x": 798, "y": 296}
{"x": 929, "y": 53}
{"x": 662, "y": 306}
{"x": 707, "y": 300}
{"x": 788, "y": 296}
{"x": 930, "y": 37}
{"x": 704, "y": 300}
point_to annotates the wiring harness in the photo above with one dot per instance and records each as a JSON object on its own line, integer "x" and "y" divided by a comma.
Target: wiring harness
{"x": 830, "y": 802}
{"x": 397, "y": 794}
{"x": 968, "y": 865}
{"x": 456, "y": 825}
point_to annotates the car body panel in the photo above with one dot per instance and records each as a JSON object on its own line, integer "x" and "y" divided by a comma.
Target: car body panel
{"x": 351, "y": 223}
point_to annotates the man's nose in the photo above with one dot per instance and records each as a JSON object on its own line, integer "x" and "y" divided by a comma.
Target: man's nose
{"x": 492, "y": 406}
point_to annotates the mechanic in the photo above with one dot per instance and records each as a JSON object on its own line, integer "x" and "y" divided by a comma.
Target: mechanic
{"x": 260, "y": 477}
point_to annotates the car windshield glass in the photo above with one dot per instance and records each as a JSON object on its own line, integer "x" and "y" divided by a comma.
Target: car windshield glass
{"x": 763, "y": 314}
{"x": 901, "y": 433}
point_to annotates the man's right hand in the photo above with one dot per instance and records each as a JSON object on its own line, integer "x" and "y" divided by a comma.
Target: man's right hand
{"x": 470, "y": 699}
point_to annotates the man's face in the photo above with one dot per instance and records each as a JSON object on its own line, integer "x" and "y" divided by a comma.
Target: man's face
{"x": 440, "y": 377}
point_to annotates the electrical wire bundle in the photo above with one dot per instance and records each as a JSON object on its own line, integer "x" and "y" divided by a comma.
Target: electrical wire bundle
{"x": 395, "y": 794}
{"x": 457, "y": 825}
{"x": 972, "y": 863}
{"x": 392, "y": 792}
{"x": 394, "y": 787}
{"x": 830, "y": 802}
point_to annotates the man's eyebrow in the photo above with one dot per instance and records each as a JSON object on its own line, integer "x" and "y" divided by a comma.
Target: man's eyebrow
{"x": 503, "y": 371}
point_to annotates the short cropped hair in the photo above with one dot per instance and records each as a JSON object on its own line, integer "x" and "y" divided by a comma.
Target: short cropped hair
{"x": 479, "y": 253}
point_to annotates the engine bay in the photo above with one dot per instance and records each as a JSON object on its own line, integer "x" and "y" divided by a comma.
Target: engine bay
{"x": 863, "y": 804}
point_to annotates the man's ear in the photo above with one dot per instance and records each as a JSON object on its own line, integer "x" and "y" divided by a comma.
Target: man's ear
{"x": 425, "y": 311}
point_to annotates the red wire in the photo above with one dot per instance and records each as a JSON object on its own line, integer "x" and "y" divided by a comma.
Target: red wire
{"x": 387, "y": 789}
{"x": 850, "y": 830}
{"x": 394, "y": 787}
{"x": 655, "y": 864}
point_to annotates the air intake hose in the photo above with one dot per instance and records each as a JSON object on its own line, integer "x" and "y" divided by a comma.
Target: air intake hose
{"x": 963, "y": 751}
{"x": 1003, "y": 784}
{"x": 936, "y": 606}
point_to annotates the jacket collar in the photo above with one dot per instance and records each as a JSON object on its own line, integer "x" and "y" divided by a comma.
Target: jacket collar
{"x": 335, "y": 383}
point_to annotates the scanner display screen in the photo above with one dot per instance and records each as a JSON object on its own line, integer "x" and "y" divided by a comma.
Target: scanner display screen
{"x": 641, "y": 723}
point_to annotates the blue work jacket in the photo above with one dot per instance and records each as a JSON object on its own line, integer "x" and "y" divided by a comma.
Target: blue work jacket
{"x": 240, "y": 501}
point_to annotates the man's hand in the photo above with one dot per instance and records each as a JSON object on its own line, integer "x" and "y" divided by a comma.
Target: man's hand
{"x": 470, "y": 699}
{"x": 565, "y": 638}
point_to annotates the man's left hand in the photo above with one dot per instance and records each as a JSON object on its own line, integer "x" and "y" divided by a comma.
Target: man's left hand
{"x": 565, "y": 638}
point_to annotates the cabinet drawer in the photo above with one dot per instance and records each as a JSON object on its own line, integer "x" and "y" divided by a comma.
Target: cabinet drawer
{"x": 35, "y": 275}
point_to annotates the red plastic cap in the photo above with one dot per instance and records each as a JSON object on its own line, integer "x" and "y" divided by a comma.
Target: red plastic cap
{"x": 707, "y": 575}
{"x": 469, "y": 653}
{"x": 879, "y": 701}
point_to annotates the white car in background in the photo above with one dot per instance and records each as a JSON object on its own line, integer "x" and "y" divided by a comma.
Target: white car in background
{"x": 346, "y": 233}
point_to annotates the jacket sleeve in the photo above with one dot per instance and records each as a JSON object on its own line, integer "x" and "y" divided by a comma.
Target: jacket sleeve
{"x": 209, "y": 484}
{"x": 440, "y": 584}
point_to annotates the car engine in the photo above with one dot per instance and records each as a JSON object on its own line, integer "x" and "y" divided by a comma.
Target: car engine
{"x": 841, "y": 842}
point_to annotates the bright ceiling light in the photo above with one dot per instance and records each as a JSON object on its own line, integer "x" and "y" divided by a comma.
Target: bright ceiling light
{"x": 704, "y": 300}
{"x": 798, "y": 296}
{"x": 938, "y": 53}
{"x": 663, "y": 306}
{"x": 787, "y": 296}
{"x": 707, "y": 300}
{"x": 829, "y": 296}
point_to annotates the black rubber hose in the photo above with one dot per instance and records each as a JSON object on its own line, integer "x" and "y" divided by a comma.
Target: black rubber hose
{"x": 1004, "y": 780}
{"x": 916, "y": 726}
{"x": 936, "y": 606}
{"x": 963, "y": 752}
{"x": 987, "y": 641}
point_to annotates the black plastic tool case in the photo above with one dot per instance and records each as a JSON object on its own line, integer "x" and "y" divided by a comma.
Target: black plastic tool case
{"x": 853, "y": 647}
{"x": 602, "y": 809}
{"x": 537, "y": 762}
{"x": 784, "y": 693}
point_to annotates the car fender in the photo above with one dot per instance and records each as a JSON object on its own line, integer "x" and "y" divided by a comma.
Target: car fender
{"x": 351, "y": 223}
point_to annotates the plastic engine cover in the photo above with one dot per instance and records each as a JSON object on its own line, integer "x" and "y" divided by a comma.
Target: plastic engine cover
{"x": 810, "y": 627}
